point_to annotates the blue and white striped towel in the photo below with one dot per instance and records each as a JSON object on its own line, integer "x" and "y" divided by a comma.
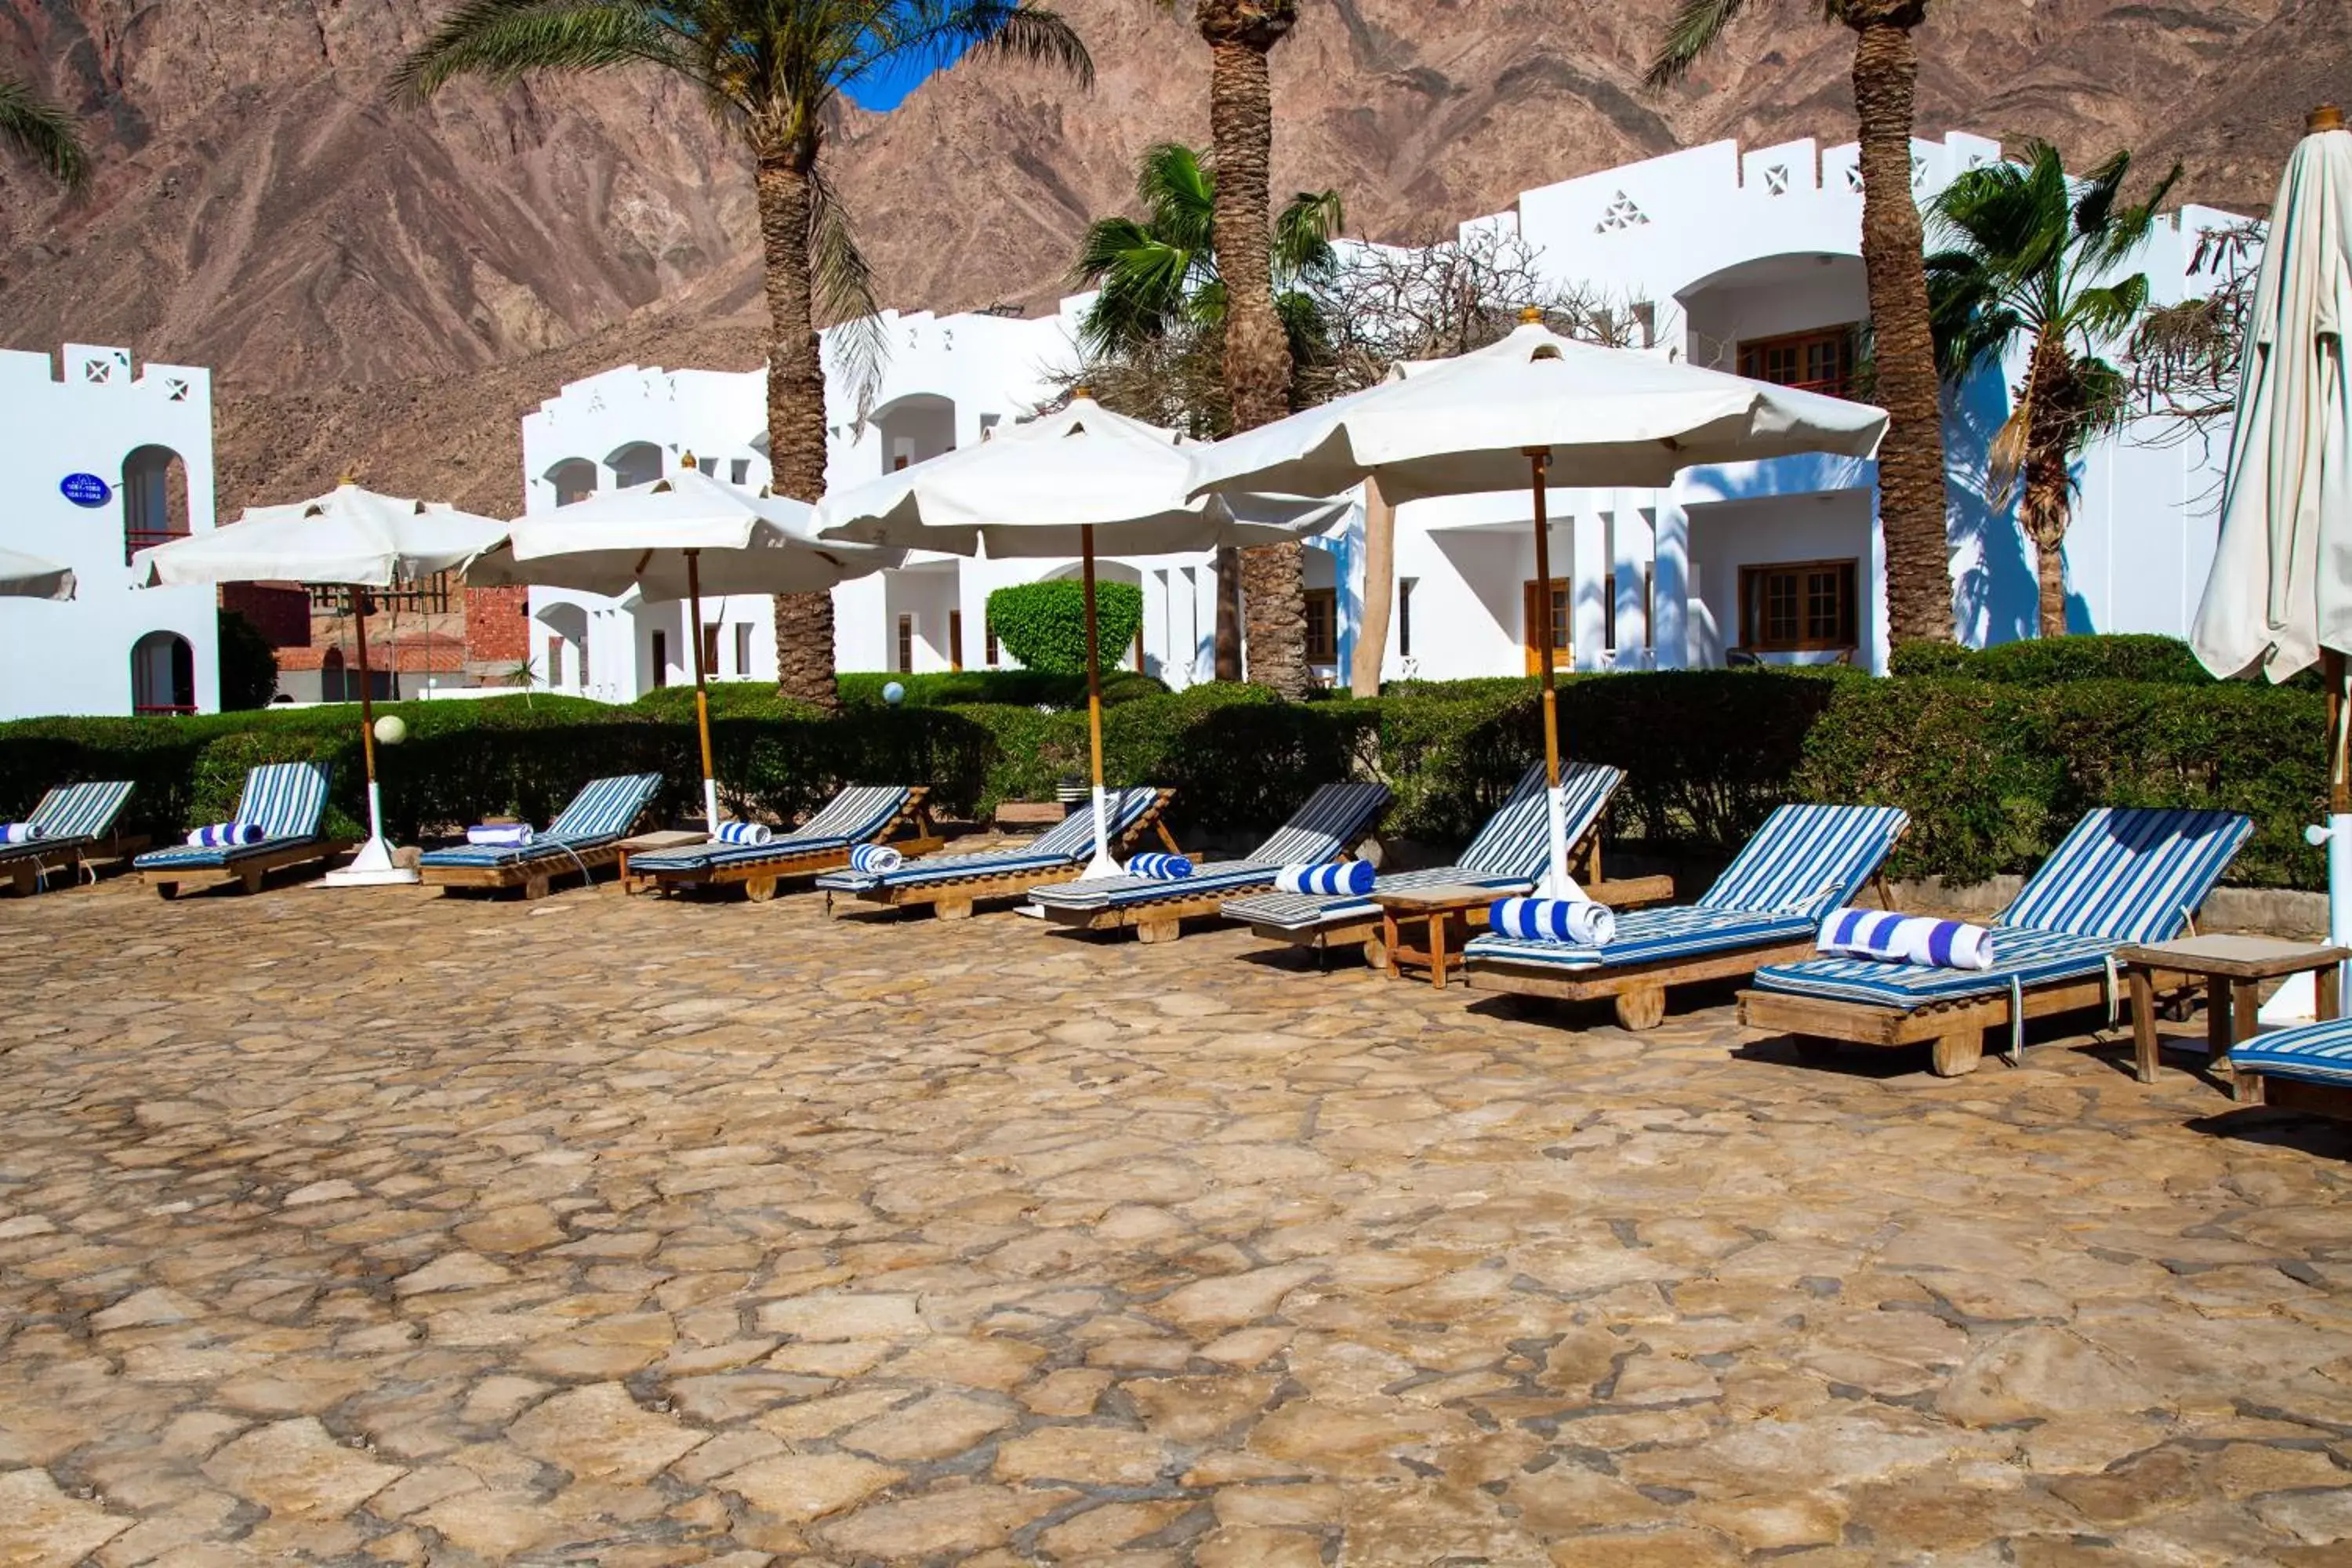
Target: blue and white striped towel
{"x": 509, "y": 835}
{"x": 1159, "y": 868}
{"x": 878, "y": 859}
{"x": 21, "y": 832}
{"x": 1353, "y": 877}
{"x": 745, "y": 833}
{"x": 1906, "y": 938}
{"x": 1580, "y": 922}
{"x": 220, "y": 835}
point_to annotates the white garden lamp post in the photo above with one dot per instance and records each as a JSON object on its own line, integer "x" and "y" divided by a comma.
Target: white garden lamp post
{"x": 673, "y": 538}
{"x": 2280, "y": 596}
{"x": 351, "y": 537}
{"x": 1536, "y": 410}
{"x": 1064, "y": 484}
{"x": 24, "y": 576}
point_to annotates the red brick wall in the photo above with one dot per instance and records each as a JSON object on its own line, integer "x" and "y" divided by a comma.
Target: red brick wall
{"x": 282, "y": 615}
{"x": 497, "y": 625}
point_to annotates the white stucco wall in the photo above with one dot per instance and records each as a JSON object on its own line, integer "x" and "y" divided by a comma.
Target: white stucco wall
{"x": 77, "y": 657}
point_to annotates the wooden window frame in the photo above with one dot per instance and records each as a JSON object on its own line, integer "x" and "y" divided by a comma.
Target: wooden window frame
{"x": 990, "y": 647}
{"x": 1751, "y": 586}
{"x": 660, "y": 659}
{"x": 1845, "y": 336}
{"x": 904, "y": 646}
{"x": 1405, "y": 586}
{"x": 710, "y": 650}
{"x": 955, "y": 639}
{"x": 1532, "y": 611}
{"x": 1327, "y": 651}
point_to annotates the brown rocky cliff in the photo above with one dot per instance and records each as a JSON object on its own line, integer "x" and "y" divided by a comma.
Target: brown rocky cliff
{"x": 389, "y": 289}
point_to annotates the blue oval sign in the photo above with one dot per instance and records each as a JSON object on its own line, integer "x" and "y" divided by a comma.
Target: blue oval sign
{"x": 86, "y": 490}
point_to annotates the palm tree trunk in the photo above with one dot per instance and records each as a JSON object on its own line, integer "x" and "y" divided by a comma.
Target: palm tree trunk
{"x": 1227, "y": 647}
{"x": 1258, "y": 353}
{"x": 1911, "y": 460}
{"x": 804, "y": 633}
{"x": 2044, "y": 509}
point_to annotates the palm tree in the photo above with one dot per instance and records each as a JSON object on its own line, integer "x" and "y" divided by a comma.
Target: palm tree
{"x": 1240, "y": 35}
{"x": 43, "y": 133}
{"x": 1162, "y": 297}
{"x": 773, "y": 71}
{"x": 1911, "y": 460}
{"x": 2031, "y": 255}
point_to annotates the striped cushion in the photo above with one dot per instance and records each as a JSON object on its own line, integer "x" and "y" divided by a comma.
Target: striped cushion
{"x": 1070, "y": 842}
{"x": 851, "y": 817}
{"x": 1305, "y": 912}
{"x": 602, "y": 813}
{"x": 2131, "y": 875}
{"x": 71, "y": 814}
{"x": 1807, "y": 859}
{"x": 2028, "y": 957}
{"x": 1515, "y": 842}
{"x": 2315, "y": 1053}
{"x": 1329, "y": 825}
{"x": 1124, "y": 892}
{"x": 1648, "y": 936}
{"x": 286, "y": 798}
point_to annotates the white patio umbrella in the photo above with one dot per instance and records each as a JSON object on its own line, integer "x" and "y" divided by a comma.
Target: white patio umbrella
{"x": 2280, "y": 595}
{"x": 1060, "y": 486}
{"x": 1540, "y": 410}
{"x": 349, "y": 536}
{"x": 24, "y": 576}
{"x": 673, "y": 538}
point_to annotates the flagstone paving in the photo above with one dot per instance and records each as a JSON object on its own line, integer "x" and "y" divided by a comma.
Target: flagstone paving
{"x": 369, "y": 1227}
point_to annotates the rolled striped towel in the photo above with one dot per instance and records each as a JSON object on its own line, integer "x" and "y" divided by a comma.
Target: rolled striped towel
{"x": 1352, "y": 877}
{"x": 1578, "y": 922}
{"x": 879, "y": 859}
{"x": 21, "y": 832}
{"x": 227, "y": 835}
{"x": 1159, "y": 868}
{"x": 500, "y": 834}
{"x": 1906, "y": 938}
{"x": 745, "y": 833}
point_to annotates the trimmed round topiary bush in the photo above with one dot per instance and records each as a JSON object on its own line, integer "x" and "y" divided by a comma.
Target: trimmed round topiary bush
{"x": 1044, "y": 625}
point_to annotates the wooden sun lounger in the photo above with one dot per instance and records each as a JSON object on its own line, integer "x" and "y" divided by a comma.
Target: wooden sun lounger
{"x": 952, "y": 899}
{"x": 760, "y": 880}
{"x": 1364, "y": 932}
{"x": 246, "y": 871}
{"x": 536, "y": 877}
{"x": 26, "y": 874}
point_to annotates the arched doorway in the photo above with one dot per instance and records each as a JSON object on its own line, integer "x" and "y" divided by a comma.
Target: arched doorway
{"x": 331, "y": 677}
{"x": 638, "y": 463}
{"x": 154, "y": 499}
{"x": 162, "y": 674}
{"x": 914, "y": 428}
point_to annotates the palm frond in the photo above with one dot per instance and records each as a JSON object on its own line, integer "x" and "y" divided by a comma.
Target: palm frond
{"x": 1179, "y": 193}
{"x": 842, "y": 285}
{"x": 1696, "y": 27}
{"x": 1303, "y": 232}
{"x": 931, "y": 34}
{"x": 2005, "y": 456}
{"x": 507, "y": 40}
{"x": 43, "y": 131}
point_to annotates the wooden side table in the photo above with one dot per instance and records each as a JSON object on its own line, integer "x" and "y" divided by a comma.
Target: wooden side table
{"x": 661, "y": 838}
{"x": 2232, "y": 968}
{"x": 1447, "y": 916}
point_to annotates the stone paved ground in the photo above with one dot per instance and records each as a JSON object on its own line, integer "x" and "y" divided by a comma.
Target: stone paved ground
{"x": 369, "y": 1227}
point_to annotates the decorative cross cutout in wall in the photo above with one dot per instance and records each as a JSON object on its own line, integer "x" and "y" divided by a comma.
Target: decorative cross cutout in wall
{"x": 1918, "y": 171}
{"x": 1776, "y": 180}
{"x": 175, "y": 389}
{"x": 1853, "y": 177}
{"x": 1621, "y": 215}
{"x": 98, "y": 371}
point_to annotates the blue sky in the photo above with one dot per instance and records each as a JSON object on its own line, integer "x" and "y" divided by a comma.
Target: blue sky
{"x": 884, "y": 92}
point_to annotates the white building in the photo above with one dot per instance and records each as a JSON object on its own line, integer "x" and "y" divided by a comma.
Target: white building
{"x": 1746, "y": 261}
{"x": 99, "y": 458}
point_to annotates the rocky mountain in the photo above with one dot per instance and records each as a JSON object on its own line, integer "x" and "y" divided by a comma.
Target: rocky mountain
{"x": 388, "y": 288}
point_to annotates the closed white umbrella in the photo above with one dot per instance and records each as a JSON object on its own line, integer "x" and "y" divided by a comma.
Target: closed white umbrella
{"x": 349, "y": 536}
{"x": 1063, "y": 485}
{"x": 1540, "y": 410}
{"x": 24, "y": 576}
{"x": 2280, "y": 595}
{"x": 674, "y": 538}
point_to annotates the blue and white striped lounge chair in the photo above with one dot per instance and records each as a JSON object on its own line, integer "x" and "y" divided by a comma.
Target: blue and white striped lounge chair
{"x": 1508, "y": 856}
{"x": 2121, "y": 877}
{"x": 2306, "y": 1067}
{"x": 1328, "y": 828}
{"x": 953, "y": 884}
{"x": 1803, "y": 862}
{"x": 288, "y": 800}
{"x": 585, "y": 838}
{"x": 863, "y": 814}
{"x": 74, "y": 820}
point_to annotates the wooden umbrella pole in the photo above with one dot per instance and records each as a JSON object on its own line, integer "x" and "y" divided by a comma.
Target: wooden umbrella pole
{"x": 2339, "y": 786}
{"x": 1102, "y": 864}
{"x": 1558, "y": 886}
{"x": 701, "y": 690}
{"x": 367, "y": 698}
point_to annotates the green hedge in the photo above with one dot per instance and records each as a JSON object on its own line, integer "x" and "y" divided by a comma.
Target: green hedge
{"x": 2039, "y": 661}
{"x": 1993, "y": 771}
{"x": 1044, "y": 625}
